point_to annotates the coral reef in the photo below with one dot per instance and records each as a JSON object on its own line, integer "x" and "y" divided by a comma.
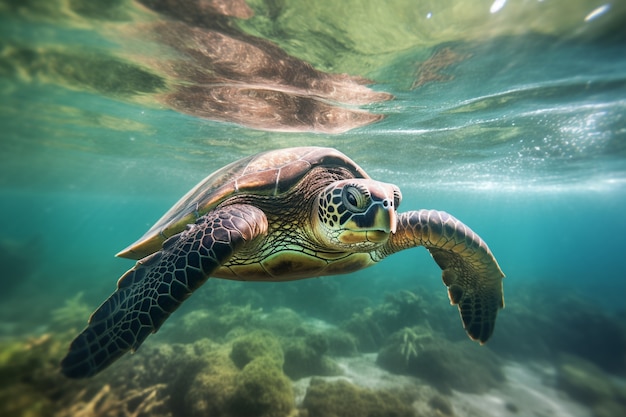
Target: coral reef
{"x": 198, "y": 380}
{"x": 246, "y": 366}
{"x": 343, "y": 399}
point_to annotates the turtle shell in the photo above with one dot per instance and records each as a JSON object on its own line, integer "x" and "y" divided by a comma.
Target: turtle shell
{"x": 268, "y": 173}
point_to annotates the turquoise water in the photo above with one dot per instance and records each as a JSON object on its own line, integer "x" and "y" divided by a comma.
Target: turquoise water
{"x": 508, "y": 115}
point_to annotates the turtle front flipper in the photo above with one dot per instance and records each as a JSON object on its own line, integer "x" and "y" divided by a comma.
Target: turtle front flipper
{"x": 148, "y": 293}
{"x": 470, "y": 271}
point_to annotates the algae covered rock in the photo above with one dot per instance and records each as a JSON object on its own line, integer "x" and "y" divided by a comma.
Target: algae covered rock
{"x": 458, "y": 366}
{"x": 343, "y": 399}
{"x": 22, "y": 400}
{"x": 262, "y": 390}
{"x": 444, "y": 365}
{"x": 401, "y": 348}
{"x": 32, "y": 362}
{"x": 341, "y": 343}
{"x": 282, "y": 321}
{"x": 210, "y": 391}
{"x": 215, "y": 324}
{"x": 306, "y": 356}
{"x": 254, "y": 345}
{"x": 366, "y": 330}
{"x": 221, "y": 388}
{"x": 399, "y": 310}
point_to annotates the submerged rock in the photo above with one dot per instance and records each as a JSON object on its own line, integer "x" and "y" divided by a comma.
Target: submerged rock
{"x": 210, "y": 391}
{"x": 262, "y": 390}
{"x": 372, "y": 327}
{"x": 340, "y": 343}
{"x": 400, "y": 351}
{"x": 217, "y": 324}
{"x": 444, "y": 365}
{"x": 441, "y": 406}
{"x": 343, "y": 399}
{"x": 23, "y": 400}
{"x": 591, "y": 386}
{"x": 254, "y": 345}
{"x": 459, "y": 366}
{"x": 367, "y": 332}
{"x": 282, "y": 321}
{"x": 306, "y": 356}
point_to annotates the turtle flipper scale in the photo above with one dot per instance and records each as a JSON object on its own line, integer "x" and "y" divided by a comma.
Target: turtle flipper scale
{"x": 149, "y": 292}
{"x": 469, "y": 269}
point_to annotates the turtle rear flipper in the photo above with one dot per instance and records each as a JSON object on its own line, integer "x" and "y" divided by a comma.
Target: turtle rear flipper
{"x": 154, "y": 288}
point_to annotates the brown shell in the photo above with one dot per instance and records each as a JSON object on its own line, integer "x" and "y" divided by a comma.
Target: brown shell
{"x": 268, "y": 173}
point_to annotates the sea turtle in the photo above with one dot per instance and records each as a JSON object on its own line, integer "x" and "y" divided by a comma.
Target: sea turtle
{"x": 281, "y": 215}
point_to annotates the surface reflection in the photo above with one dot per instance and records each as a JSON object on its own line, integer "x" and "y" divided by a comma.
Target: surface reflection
{"x": 221, "y": 73}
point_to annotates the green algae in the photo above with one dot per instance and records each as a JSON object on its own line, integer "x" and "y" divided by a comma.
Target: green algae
{"x": 372, "y": 326}
{"x": 402, "y": 348}
{"x": 343, "y": 399}
{"x": 29, "y": 377}
{"x": 209, "y": 391}
{"x": 22, "y": 400}
{"x": 254, "y": 345}
{"x": 306, "y": 356}
{"x": 261, "y": 389}
{"x": 71, "y": 315}
{"x": 462, "y": 367}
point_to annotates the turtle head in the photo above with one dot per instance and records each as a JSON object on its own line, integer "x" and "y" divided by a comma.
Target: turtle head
{"x": 356, "y": 214}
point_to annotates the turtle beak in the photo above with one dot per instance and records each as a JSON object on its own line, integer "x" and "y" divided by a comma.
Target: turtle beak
{"x": 386, "y": 216}
{"x": 393, "y": 219}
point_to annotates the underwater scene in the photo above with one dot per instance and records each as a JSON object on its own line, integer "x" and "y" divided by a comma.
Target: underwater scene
{"x": 509, "y": 115}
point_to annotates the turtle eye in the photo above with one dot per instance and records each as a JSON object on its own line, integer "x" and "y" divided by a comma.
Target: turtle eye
{"x": 355, "y": 199}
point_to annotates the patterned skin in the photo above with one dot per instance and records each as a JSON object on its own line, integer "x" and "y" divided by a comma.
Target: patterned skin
{"x": 328, "y": 222}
